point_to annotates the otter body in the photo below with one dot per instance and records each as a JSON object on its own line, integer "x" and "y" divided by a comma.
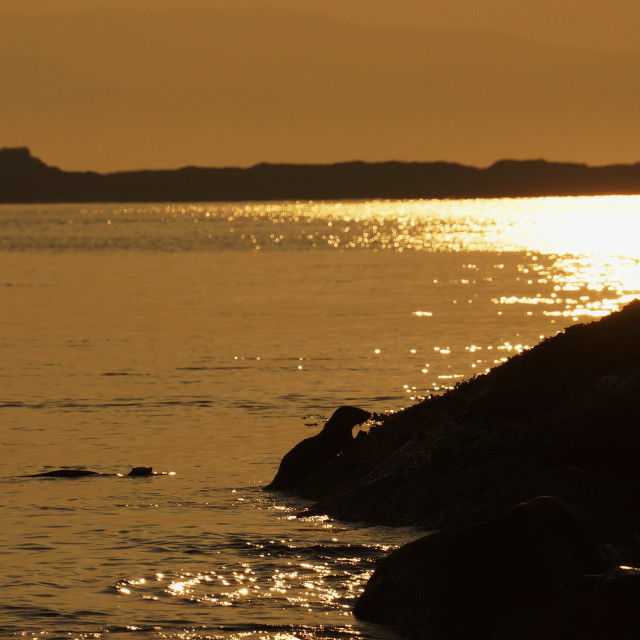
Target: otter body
{"x": 138, "y": 472}
{"x": 312, "y": 453}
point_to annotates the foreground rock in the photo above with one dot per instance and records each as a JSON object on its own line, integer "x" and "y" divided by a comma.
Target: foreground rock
{"x": 530, "y": 476}
{"x": 467, "y": 583}
{"x": 607, "y": 608}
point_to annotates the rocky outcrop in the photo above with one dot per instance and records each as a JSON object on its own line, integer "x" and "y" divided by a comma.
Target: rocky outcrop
{"x": 529, "y": 475}
{"x": 466, "y": 583}
{"x": 495, "y": 440}
{"x": 605, "y": 607}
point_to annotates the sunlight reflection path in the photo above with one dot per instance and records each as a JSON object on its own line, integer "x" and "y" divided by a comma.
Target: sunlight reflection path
{"x": 590, "y": 226}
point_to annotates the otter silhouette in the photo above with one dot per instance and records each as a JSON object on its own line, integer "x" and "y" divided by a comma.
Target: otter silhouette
{"x": 312, "y": 453}
{"x": 137, "y": 472}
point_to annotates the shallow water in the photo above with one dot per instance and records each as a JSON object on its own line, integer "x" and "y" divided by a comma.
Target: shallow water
{"x": 205, "y": 341}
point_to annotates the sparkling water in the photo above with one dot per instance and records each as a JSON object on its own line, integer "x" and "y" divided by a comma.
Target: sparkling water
{"x": 206, "y": 340}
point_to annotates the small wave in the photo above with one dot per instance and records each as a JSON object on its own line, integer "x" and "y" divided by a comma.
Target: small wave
{"x": 34, "y": 547}
{"x": 301, "y": 632}
{"x": 348, "y": 553}
{"x": 214, "y": 368}
{"x": 257, "y": 407}
{"x": 88, "y": 406}
{"x": 31, "y": 612}
{"x": 180, "y": 629}
{"x": 123, "y": 373}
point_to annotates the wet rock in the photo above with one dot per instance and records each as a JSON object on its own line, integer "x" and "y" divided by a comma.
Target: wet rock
{"x": 604, "y": 608}
{"x": 466, "y": 583}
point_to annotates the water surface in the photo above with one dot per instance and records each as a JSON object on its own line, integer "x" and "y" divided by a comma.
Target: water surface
{"x": 206, "y": 340}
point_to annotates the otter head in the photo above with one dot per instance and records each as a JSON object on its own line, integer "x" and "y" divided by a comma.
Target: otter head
{"x": 141, "y": 472}
{"x": 340, "y": 425}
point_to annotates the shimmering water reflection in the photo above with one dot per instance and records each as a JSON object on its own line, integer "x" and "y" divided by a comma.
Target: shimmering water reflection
{"x": 579, "y": 226}
{"x": 311, "y": 575}
{"x": 588, "y": 225}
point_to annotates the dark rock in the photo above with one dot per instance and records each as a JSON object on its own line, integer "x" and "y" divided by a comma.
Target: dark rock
{"x": 465, "y": 583}
{"x": 310, "y": 454}
{"x": 604, "y": 608}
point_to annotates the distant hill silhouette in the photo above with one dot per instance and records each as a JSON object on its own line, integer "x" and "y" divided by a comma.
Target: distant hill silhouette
{"x": 25, "y": 179}
{"x": 214, "y": 85}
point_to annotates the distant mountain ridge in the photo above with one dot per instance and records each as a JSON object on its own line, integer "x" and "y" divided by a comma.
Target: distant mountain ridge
{"x": 122, "y": 89}
{"x": 26, "y": 179}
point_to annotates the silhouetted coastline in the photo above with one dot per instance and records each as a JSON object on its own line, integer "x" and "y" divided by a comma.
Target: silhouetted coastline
{"x": 25, "y": 179}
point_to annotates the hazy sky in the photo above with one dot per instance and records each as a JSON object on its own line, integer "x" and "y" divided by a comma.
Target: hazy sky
{"x": 158, "y": 83}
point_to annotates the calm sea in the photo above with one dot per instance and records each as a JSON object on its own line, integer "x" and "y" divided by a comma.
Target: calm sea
{"x": 205, "y": 341}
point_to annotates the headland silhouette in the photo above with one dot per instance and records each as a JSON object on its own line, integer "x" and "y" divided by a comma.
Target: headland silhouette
{"x": 26, "y": 179}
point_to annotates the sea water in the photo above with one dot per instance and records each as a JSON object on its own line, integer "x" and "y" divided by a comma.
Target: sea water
{"x": 207, "y": 339}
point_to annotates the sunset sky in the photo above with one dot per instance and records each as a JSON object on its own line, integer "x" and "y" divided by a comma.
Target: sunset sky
{"x": 164, "y": 83}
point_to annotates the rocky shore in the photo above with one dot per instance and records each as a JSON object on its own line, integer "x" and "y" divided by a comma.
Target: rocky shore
{"x": 529, "y": 478}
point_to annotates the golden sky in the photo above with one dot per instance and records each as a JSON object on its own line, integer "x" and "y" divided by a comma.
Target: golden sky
{"x": 149, "y": 84}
